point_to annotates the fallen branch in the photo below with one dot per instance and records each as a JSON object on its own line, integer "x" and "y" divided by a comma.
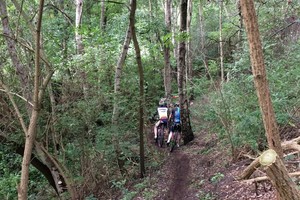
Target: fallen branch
{"x": 265, "y": 178}
{"x": 291, "y": 145}
{"x": 249, "y": 170}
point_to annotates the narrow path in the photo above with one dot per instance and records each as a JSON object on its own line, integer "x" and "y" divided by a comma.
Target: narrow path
{"x": 180, "y": 173}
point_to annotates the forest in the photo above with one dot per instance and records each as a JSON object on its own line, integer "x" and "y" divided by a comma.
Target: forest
{"x": 80, "y": 83}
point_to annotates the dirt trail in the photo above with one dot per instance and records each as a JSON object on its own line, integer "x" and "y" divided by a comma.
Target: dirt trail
{"x": 180, "y": 174}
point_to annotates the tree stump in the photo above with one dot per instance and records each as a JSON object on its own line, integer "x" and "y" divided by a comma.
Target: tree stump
{"x": 278, "y": 174}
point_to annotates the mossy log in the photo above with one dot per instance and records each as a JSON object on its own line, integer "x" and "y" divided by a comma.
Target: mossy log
{"x": 278, "y": 174}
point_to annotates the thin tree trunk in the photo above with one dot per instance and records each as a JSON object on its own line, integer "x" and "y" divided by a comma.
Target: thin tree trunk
{"x": 260, "y": 77}
{"x": 103, "y": 15}
{"x": 202, "y": 27}
{"x": 166, "y": 46}
{"x": 30, "y": 137}
{"x": 79, "y": 44}
{"x": 11, "y": 46}
{"x": 141, "y": 83}
{"x": 189, "y": 67}
{"x": 118, "y": 74}
{"x": 117, "y": 82}
{"x": 78, "y": 37}
{"x": 42, "y": 87}
{"x": 240, "y": 31}
{"x": 175, "y": 16}
{"x": 53, "y": 118}
{"x": 221, "y": 40}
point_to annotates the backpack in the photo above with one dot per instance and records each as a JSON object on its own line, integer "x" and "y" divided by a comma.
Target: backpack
{"x": 177, "y": 115}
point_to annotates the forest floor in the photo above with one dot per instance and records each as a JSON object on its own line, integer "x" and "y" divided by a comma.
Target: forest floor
{"x": 204, "y": 170}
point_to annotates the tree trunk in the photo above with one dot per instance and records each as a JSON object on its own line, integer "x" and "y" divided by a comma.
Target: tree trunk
{"x": 30, "y": 136}
{"x": 278, "y": 174}
{"x": 189, "y": 62}
{"x": 103, "y": 15}
{"x": 141, "y": 83}
{"x": 240, "y": 31}
{"x": 79, "y": 44}
{"x": 189, "y": 68}
{"x": 118, "y": 74}
{"x": 166, "y": 47}
{"x": 221, "y": 40}
{"x": 117, "y": 82}
{"x": 11, "y": 46}
{"x": 187, "y": 133}
{"x": 259, "y": 74}
{"x": 78, "y": 37}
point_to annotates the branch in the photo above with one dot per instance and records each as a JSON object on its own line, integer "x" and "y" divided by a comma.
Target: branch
{"x": 21, "y": 97}
{"x": 264, "y": 178}
{"x": 22, "y": 122}
{"x": 69, "y": 19}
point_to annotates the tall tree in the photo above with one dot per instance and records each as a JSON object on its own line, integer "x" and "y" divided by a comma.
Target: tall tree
{"x": 141, "y": 84}
{"x": 189, "y": 66}
{"x": 166, "y": 47}
{"x": 117, "y": 88}
{"x": 260, "y": 77}
{"x": 221, "y": 40}
{"x": 103, "y": 15}
{"x": 43, "y": 161}
{"x": 79, "y": 43}
{"x": 32, "y": 129}
{"x": 187, "y": 132}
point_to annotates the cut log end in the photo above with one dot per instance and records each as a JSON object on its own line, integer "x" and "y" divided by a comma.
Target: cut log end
{"x": 268, "y": 157}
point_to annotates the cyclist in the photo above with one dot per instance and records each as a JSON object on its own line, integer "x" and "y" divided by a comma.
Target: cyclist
{"x": 163, "y": 115}
{"x": 175, "y": 123}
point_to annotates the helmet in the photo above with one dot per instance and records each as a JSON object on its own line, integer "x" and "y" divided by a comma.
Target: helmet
{"x": 162, "y": 102}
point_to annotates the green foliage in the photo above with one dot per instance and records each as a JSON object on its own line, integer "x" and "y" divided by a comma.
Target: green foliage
{"x": 216, "y": 177}
{"x": 10, "y": 177}
{"x": 206, "y": 196}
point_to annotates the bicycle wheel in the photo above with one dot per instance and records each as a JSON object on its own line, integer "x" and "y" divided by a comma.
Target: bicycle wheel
{"x": 173, "y": 141}
{"x": 160, "y": 136}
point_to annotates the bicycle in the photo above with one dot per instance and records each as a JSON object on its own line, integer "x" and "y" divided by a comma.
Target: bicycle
{"x": 174, "y": 139}
{"x": 161, "y": 134}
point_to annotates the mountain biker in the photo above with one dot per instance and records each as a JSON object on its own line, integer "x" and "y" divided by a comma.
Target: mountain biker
{"x": 163, "y": 114}
{"x": 175, "y": 123}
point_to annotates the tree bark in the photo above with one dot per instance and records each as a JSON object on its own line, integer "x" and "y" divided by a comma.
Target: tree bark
{"x": 259, "y": 74}
{"x": 141, "y": 83}
{"x": 187, "y": 133}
